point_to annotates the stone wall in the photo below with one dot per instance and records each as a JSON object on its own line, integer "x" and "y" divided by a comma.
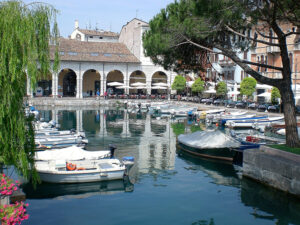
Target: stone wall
{"x": 273, "y": 167}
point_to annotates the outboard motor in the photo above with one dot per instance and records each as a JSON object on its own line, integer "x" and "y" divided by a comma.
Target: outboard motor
{"x": 112, "y": 149}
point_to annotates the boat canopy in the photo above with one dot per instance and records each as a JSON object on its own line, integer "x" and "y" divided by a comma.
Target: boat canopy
{"x": 209, "y": 139}
{"x": 70, "y": 153}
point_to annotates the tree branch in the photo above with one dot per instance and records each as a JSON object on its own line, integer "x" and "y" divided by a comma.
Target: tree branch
{"x": 262, "y": 65}
{"x": 259, "y": 77}
{"x": 252, "y": 39}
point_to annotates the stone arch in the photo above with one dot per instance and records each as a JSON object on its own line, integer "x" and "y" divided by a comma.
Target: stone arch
{"x": 114, "y": 76}
{"x": 67, "y": 84}
{"x": 137, "y": 76}
{"x": 43, "y": 85}
{"x": 159, "y": 77}
{"x": 91, "y": 83}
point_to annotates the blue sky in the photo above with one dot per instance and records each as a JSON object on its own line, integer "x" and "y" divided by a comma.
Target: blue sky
{"x": 105, "y": 14}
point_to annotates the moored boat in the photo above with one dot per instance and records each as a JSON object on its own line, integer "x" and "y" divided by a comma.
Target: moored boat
{"x": 209, "y": 144}
{"x": 61, "y": 171}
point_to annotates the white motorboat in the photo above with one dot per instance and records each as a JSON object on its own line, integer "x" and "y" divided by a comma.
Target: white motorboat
{"x": 56, "y": 133}
{"x": 59, "y": 142}
{"x": 80, "y": 171}
{"x": 70, "y": 153}
{"x": 255, "y": 122}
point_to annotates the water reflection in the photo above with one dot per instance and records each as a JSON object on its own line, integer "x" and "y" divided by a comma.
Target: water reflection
{"x": 220, "y": 173}
{"x": 152, "y": 141}
{"x": 270, "y": 204}
{"x": 48, "y": 190}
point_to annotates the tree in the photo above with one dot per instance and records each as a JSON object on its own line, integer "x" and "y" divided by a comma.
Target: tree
{"x": 189, "y": 29}
{"x": 221, "y": 89}
{"x": 198, "y": 86}
{"x": 275, "y": 95}
{"x": 25, "y": 35}
{"x": 179, "y": 83}
{"x": 248, "y": 86}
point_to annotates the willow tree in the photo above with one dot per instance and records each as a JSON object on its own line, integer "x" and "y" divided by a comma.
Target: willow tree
{"x": 26, "y": 30}
{"x": 187, "y": 29}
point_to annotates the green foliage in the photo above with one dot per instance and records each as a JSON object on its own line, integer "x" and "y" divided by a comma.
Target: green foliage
{"x": 24, "y": 43}
{"x": 221, "y": 89}
{"x": 179, "y": 83}
{"x": 178, "y": 128}
{"x": 195, "y": 128}
{"x": 286, "y": 148}
{"x": 198, "y": 86}
{"x": 248, "y": 86}
{"x": 275, "y": 94}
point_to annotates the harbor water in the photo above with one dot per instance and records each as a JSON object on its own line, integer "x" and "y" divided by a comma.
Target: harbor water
{"x": 164, "y": 187}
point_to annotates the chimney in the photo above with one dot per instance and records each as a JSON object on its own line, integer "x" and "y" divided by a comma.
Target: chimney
{"x": 76, "y": 24}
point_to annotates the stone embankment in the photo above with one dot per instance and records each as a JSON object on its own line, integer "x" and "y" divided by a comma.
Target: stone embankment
{"x": 273, "y": 167}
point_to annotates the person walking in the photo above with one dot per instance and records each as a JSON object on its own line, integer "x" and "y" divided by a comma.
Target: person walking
{"x": 105, "y": 94}
{"x": 98, "y": 94}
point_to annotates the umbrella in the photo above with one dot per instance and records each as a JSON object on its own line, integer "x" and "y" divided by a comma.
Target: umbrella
{"x": 159, "y": 87}
{"x": 160, "y": 84}
{"x": 140, "y": 87}
{"x": 115, "y": 84}
{"x": 233, "y": 93}
{"x": 265, "y": 94}
{"x": 138, "y": 84}
{"x": 124, "y": 87}
{"x": 210, "y": 91}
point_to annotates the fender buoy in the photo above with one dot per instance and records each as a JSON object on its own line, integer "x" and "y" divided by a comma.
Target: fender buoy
{"x": 71, "y": 166}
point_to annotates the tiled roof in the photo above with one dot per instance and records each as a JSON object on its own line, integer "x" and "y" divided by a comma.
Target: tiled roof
{"x": 99, "y": 33}
{"x": 73, "y": 50}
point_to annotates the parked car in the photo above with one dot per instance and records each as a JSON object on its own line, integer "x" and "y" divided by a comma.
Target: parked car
{"x": 203, "y": 100}
{"x": 262, "y": 107}
{"x": 209, "y": 101}
{"x": 297, "y": 108}
{"x": 253, "y": 105}
{"x": 241, "y": 105}
{"x": 230, "y": 104}
{"x": 196, "y": 99}
{"x": 273, "y": 108}
{"x": 218, "y": 102}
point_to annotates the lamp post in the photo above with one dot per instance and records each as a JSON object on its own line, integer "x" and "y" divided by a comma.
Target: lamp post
{"x": 295, "y": 80}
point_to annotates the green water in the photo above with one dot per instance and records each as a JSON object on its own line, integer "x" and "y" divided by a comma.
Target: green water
{"x": 163, "y": 188}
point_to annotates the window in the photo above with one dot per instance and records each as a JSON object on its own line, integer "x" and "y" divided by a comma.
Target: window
{"x": 94, "y": 54}
{"x": 61, "y": 53}
{"x": 100, "y": 37}
{"x": 78, "y": 37}
{"x": 107, "y": 54}
{"x": 72, "y": 53}
{"x": 245, "y": 54}
{"x": 91, "y": 36}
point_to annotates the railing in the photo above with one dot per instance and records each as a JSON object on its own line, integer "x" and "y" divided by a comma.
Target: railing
{"x": 271, "y": 49}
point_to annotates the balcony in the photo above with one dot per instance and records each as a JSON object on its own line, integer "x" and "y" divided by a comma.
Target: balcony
{"x": 226, "y": 63}
{"x": 297, "y": 46}
{"x": 273, "y": 49}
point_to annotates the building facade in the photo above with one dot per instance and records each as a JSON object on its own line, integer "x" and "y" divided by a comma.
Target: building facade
{"x": 92, "y": 59}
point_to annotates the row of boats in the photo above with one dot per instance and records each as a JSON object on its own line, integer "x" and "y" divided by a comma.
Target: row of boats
{"x": 216, "y": 144}
{"x": 60, "y": 157}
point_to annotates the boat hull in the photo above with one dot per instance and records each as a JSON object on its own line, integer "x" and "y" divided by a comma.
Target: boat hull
{"x": 80, "y": 176}
{"x": 223, "y": 154}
